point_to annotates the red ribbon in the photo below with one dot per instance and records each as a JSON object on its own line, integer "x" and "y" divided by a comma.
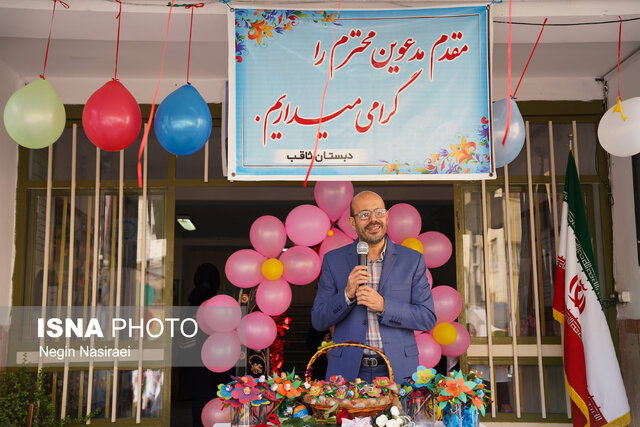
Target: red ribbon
{"x": 145, "y": 136}
{"x": 506, "y": 131}
{"x": 530, "y": 56}
{"x": 324, "y": 95}
{"x": 192, "y": 7}
{"x": 46, "y": 55}
{"x": 619, "y": 43}
{"x": 115, "y": 73}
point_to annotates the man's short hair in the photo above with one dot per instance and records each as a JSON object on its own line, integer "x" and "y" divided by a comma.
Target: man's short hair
{"x": 351, "y": 212}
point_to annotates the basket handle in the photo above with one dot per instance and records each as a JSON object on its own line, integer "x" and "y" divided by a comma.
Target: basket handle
{"x": 326, "y": 349}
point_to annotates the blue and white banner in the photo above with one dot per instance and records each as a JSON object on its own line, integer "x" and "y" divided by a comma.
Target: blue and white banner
{"x": 387, "y": 95}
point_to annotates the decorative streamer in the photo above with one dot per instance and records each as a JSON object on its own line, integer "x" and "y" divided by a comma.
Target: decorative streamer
{"x": 324, "y": 95}
{"x": 46, "y": 55}
{"x": 192, "y": 7}
{"x": 506, "y": 131}
{"x": 530, "y": 56}
{"x": 145, "y": 137}
{"x": 618, "y": 107}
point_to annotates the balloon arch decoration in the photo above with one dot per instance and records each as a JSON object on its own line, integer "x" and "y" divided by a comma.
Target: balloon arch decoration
{"x": 272, "y": 269}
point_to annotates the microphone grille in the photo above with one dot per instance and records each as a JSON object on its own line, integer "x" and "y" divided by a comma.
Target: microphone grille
{"x": 362, "y": 248}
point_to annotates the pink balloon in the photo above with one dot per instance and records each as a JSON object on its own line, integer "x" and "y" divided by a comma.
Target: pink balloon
{"x": 257, "y": 330}
{"x": 345, "y": 225}
{"x": 307, "y": 225}
{"x": 430, "y": 278}
{"x": 333, "y": 197}
{"x": 268, "y": 236}
{"x": 461, "y": 343}
{"x": 436, "y": 248}
{"x": 220, "y": 351}
{"x": 273, "y": 296}
{"x": 202, "y": 324}
{"x": 111, "y": 117}
{"x": 338, "y": 240}
{"x": 244, "y": 268}
{"x": 222, "y": 313}
{"x": 447, "y": 302}
{"x": 429, "y": 351}
{"x": 212, "y": 413}
{"x": 404, "y": 222}
{"x": 301, "y": 265}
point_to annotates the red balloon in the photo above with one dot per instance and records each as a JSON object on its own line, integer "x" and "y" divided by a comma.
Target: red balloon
{"x": 111, "y": 117}
{"x": 429, "y": 351}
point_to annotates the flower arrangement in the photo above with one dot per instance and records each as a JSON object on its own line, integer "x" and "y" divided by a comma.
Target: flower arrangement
{"x": 458, "y": 389}
{"x": 358, "y": 394}
{"x": 416, "y": 397}
{"x": 246, "y": 390}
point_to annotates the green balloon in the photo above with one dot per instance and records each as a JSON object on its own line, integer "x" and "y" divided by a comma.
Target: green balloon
{"x": 34, "y": 115}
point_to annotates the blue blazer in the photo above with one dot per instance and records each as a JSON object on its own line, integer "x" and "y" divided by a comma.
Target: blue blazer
{"x": 408, "y": 306}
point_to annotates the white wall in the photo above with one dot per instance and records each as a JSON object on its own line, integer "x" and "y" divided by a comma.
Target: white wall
{"x": 626, "y": 267}
{"x": 8, "y": 182}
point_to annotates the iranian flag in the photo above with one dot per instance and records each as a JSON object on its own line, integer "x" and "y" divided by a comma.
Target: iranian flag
{"x": 591, "y": 367}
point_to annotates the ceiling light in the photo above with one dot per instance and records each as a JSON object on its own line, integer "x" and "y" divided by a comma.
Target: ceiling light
{"x": 185, "y": 222}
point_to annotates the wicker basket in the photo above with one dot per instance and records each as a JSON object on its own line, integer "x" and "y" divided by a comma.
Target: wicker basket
{"x": 355, "y": 409}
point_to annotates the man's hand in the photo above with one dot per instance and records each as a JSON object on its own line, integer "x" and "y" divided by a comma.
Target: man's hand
{"x": 369, "y": 297}
{"x": 358, "y": 276}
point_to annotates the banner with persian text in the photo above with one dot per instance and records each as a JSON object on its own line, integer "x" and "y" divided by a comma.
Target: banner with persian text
{"x": 360, "y": 95}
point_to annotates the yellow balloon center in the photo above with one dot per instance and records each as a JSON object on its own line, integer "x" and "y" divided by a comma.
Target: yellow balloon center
{"x": 330, "y": 233}
{"x": 272, "y": 269}
{"x": 413, "y": 243}
{"x": 445, "y": 333}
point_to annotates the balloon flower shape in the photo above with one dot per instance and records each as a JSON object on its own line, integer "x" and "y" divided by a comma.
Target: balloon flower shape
{"x": 334, "y": 198}
{"x": 111, "y": 118}
{"x": 183, "y": 121}
{"x": 34, "y": 115}
{"x": 270, "y": 268}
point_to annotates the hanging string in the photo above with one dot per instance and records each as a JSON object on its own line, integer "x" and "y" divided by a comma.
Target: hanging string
{"x": 192, "y": 7}
{"x": 115, "y": 73}
{"x": 227, "y": 3}
{"x": 529, "y": 60}
{"x": 506, "y": 131}
{"x": 324, "y": 95}
{"x": 145, "y": 136}
{"x": 619, "y": 44}
{"x": 46, "y": 55}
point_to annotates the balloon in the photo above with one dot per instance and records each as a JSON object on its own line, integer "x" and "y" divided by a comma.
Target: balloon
{"x": 461, "y": 343}
{"x": 244, "y": 268}
{"x": 345, "y": 225}
{"x": 333, "y": 197}
{"x": 617, "y": 136}
{"x": 111, "y": 118}
{"x": 429, "y": 351}
{"x": 447, "y": 302}
{"x": 268, "y": 236}
{"x": 505, "y": 154}
{"x": 413, "y": 243}
{"x": 257, "y": 330}
{"x": 220, "y": 351}
{"x": 212, "y": 413}
{"x": 272, "y": 269}
{"x": 430, "y": 278}
{"x": 273, "y": 296}
{"x": 444, "y": 333}
{"x": 202, "y": 324}
{"x": 183, "y": 121}
{"x": 222, "y": 313}
{"x": 34, "y": 115}
{"x": 301, "y": 265}
{"x": 307, "y": 225}
{"x": 404, "y": 222}
{"x": 337, "y": 240}
{"x": 436, "y": 248}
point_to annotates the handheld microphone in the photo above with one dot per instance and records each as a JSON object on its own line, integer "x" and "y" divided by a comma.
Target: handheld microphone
{"x": 362, "y": 249}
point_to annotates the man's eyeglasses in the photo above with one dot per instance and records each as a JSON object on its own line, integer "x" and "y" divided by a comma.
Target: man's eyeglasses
{"x": 365, "y": 215}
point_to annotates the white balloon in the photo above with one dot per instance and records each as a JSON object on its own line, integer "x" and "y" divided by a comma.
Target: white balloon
{"x": 620, "y": 137}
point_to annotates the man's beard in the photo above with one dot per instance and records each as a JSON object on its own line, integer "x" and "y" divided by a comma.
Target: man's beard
{"x": 371, "y": 240}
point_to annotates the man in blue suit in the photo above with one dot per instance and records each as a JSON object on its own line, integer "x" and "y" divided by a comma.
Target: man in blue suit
{"x": 379, "y": 304}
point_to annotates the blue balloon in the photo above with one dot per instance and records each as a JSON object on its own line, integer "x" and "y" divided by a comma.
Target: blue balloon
{"x": 183, "y": 121}
{"x": 505, "y": 154}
